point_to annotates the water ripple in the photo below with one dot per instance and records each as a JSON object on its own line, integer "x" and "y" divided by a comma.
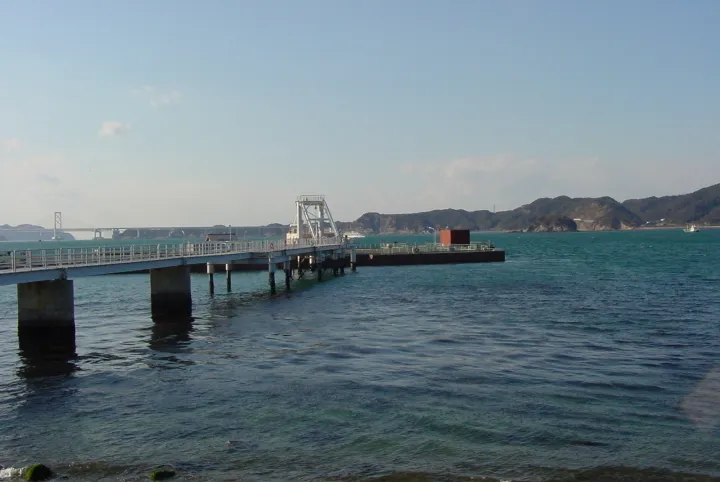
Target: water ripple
{"x": 583, "y": 350}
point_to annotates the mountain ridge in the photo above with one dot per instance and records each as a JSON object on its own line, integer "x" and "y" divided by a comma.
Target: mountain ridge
{"x": 587, "y": 214}
{"x": 561, "y": 213}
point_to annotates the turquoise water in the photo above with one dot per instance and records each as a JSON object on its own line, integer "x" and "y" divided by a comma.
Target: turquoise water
{"x": 583, "y": 350}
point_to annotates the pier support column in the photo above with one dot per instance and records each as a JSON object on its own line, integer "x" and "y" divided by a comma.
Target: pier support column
{"x": 170, "y": 297}
{"x": 319, "y": 263}
{"x": 271, "y": 277}
{"x": 299, "y": 267}
{"x": 353, "y": 260}
{"x": 334, "y": 259}
{"x": 228, "y": 276}
{"x": 287, "y": 267}
{"x": 46, "y": 316}
{"x": 211, "y": 277}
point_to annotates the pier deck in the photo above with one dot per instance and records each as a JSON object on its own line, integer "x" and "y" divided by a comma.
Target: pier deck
{"x": 33, "y": 265}
{"x": 399, "y": 255}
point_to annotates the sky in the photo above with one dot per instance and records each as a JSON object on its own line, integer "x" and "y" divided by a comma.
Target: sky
{"x": 179, "y": 112}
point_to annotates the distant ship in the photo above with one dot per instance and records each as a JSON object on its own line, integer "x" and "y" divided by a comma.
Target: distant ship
{"x": 292, "y": 235}
{"x": 691, "y": 228}
{"x": 353, "y": 235}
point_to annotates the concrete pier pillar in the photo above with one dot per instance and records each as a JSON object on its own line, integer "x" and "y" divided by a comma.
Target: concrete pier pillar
{"x": 335, "y": 264}
{"x": 287, "y": 267}
{"x": 353, "y": 260}
{"x": 271, "y": 277}
{"x": 211, "y": 277}
{"x": 312, "y": 261}
{"x": 170, "y": 295}
{"x": 299, "y": 267}
{"x": 228, "y": 276}
{"x": 319, "y": 267}
{"x": 46, "y": 316}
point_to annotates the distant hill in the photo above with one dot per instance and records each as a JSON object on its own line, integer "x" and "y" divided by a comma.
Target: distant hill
{"x": 701, "y": 207}
{"x": 545, "y": 214}
{"x": 557, "y": 214}
{"x": 20, "y": 227}
{"x": 28, "y": 232}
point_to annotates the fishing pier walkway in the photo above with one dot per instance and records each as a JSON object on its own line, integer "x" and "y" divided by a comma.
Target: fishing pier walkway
{"x": 44, "y": 277}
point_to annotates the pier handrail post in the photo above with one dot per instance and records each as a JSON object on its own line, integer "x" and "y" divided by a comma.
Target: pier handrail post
{"x": 12, "y": 261}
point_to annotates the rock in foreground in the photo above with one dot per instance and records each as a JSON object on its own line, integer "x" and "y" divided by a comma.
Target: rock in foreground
{"x": 37, "y": 472}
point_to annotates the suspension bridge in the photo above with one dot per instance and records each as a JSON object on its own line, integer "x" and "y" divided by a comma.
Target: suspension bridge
{"x": 59, "y": 230}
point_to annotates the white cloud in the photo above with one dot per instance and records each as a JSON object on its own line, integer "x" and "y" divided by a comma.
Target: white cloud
{"x": 459, "y": 169}
{"x": 158, "y": 97}
{"x": 11, "y": 145}
{"x": 506, "y": 180}
{"x": 113, "y": 129}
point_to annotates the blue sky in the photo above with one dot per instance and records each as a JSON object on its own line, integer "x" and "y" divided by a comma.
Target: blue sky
{"x": 186, "y": 112}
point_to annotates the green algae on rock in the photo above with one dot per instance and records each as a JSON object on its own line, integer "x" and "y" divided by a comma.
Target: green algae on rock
{"x": 162, "y": 474}
{"x": 37, "y": 472}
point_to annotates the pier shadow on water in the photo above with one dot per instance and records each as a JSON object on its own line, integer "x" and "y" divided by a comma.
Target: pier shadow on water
{"x": 168, "y": 339}
{"x": 47, "y": 352}
{"x": 169, "y": 335}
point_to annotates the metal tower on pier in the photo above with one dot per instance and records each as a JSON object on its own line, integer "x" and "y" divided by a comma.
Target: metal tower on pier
{"x": 57, "y": 226}
{"x": 313, "y": 220}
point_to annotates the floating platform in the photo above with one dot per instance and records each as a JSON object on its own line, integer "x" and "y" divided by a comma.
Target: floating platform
{"x": 430, "y": 254}
{"x": 394, "y": 255}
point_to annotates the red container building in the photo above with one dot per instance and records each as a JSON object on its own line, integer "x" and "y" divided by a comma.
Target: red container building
{"x": 454, "y": 236}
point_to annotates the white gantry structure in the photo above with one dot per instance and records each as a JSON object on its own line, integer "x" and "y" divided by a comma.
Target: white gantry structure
{"x": 313, "y": 221}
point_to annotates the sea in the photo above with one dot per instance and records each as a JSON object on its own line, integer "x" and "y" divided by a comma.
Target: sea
{"x": 584, "y": 356}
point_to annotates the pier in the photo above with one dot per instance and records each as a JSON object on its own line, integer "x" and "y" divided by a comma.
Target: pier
{"x": 44, "y": 277}
{"x": 313, "y": 246}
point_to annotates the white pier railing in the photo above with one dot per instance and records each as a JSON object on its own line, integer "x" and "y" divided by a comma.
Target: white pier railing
{"x": 37, "y": 259}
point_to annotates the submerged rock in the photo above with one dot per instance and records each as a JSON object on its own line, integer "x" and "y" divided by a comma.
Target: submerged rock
{"x": 162, "y": 474}
{"x": 37, "y": 472}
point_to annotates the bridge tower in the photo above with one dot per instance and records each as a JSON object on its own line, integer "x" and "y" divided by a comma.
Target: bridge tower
{"x": 57, "y": 226}
{"x": 313, "y": 220}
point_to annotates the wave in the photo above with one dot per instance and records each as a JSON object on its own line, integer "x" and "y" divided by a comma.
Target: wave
{"x": 11, "y": 472}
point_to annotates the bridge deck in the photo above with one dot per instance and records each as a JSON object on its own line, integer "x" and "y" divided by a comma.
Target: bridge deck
{"x": 25, "y": 266}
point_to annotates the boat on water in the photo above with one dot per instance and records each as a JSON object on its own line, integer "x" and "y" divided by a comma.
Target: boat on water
{"x": 353, "y": 235}
{"x": 292, "y": 235}
{"x": 691, "y": 228}
{"x": 220, "y": 237}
